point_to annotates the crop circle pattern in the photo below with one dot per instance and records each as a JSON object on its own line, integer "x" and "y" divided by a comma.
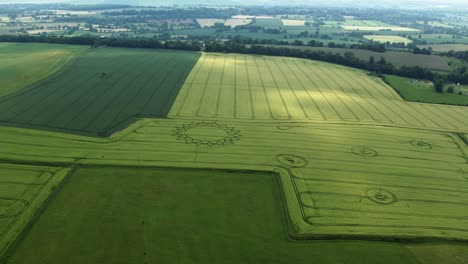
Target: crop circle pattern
{"x": 421, "y": 144}
{"x": 291, "y": 160}
{"x": 380, "y": 196}
{"x": 364, "y": 152}
{"x": 207, "y": 134}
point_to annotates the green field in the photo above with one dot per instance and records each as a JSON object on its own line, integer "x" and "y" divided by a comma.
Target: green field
{"x": 443, "y": 39}
{"x": 419, "y": 91}
{"x": 23, "y": 190}
{"x": 264, "y": 157}
{"x": 101, "y": 91}
{"x": 168, "y": 215}
{"x": 24, "y": 64}
{"x": 365, "y": 23}
{"x": 445, "y": 47}
{"x": 268, "y": 22}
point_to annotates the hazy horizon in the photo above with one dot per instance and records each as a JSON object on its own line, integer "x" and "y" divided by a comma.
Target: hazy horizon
{"x": 445, "y": 4}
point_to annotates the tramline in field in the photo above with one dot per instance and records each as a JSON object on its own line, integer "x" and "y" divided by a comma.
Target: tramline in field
{"x": 266, "y": 88}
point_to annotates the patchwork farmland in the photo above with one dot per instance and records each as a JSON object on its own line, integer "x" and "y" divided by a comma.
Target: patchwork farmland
{"x": 291, "y": 155}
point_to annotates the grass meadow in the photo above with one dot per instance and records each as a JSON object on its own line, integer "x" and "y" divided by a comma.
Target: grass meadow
{"x": 420, "y": 91}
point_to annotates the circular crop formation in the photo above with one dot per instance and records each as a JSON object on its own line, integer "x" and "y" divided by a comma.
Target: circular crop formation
{"x": 364, "y": 152}
{"x": 380, "y": 196}
{"x": 421, "y": 144}
{"x": 291, "y": 160}
{"x": 286, "y": 127}
{"x": 207, "y": 133}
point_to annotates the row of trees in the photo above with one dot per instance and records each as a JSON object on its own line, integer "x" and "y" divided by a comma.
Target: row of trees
{"x": 379, "y": 66}
{"x": 111, "y": 42}
{"x": 461, "y": 55}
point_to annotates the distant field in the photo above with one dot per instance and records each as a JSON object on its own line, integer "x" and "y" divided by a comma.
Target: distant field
{"x": 237, "y": 22}
{"x": 101, "y": 91}
{"x": 272, "y": 88}
{"x": 39, "y": 31}
{"x": 126, "y": 215}
{"x": 375, "y": 28}
{"x": 23, "y": 191}
{"x": 24, "y": 64}
{"x": 445, "y": 47}
{"x": 420, "y": 92}
{"x": 290, "y": 22}
{"x": 209, "y": 22}
{"x": 396, "y": 58}
{"x": 443, "y": 39}
{"x": 251, "y": 17}
{"x": 385, "y": 39}
{"x": 268, "y": 22}
{"x": 365, "y": 23}
{"x": 64, "y": 12}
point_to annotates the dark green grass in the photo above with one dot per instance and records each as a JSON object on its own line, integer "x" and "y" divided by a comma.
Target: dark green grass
{"x": 130, "y": 215}
{"x": 101, "y": 91}
{"x": 420, "y": 92}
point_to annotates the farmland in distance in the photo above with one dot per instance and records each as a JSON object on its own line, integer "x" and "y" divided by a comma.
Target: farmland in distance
{"x": 396, "y": 58}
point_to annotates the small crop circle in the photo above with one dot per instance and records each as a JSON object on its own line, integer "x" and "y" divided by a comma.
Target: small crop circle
{"x": 421, "y": 144}
{"x": 364, "y": 152}
{"x": 291, "y": 160}
{"x": 207, "y": 133}
{"x": 380, "y": 196}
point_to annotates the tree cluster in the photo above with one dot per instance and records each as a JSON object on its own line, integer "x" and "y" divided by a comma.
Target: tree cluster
{"x": 111, "y": 42}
